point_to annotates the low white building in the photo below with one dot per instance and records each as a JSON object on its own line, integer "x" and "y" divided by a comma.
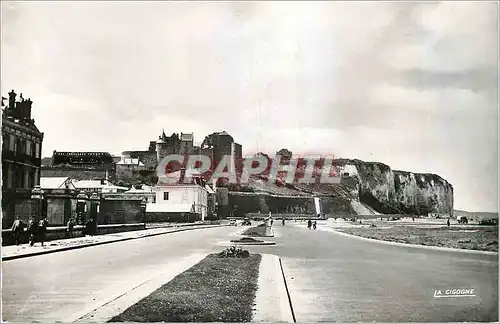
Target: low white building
{"x": 179, "y": 194}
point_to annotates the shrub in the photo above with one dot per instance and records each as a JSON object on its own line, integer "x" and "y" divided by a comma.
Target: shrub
{"x": 234, "y": 252}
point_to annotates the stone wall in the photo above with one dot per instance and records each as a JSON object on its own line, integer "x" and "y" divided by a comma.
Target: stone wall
{"x": 260, "y": 202}
{"x": 120, "y": 211}
{"x": 77, "y": 173}
{"x": 163, "y": 217}
{"x": 15, "y": 202}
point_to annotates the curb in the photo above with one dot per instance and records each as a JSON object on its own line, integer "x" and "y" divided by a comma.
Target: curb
{"x": 428, "y": 247}
{"x": 254, "y": 243}
{"x": 229, "y": 243}
{"x": 20, "y": 256}
{"x": 272, "y": 304}
{"x": 287, "y": 291}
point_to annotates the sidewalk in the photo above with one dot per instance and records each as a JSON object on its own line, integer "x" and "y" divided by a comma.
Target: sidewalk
{"x": 24, "y": 250}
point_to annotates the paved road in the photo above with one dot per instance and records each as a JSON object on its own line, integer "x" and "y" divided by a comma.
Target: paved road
{"x": 336, "y": 278}
{"x": 59, "y": 286}
{"x": 331, "y": 277}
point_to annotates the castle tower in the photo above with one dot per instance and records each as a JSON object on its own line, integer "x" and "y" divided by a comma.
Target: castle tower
{"x": 161, "y": 151}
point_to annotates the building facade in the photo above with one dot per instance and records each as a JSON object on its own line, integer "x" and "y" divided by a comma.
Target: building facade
{"x": 127, "y": 167}
{"x": 194, "y": 194}
{"x": 21, "y": 158}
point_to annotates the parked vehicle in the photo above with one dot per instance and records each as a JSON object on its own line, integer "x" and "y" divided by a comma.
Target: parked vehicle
{"x": 491, "y": 221}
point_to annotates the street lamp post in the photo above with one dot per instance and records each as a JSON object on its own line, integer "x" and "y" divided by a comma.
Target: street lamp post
{"x": 36, "y": 202}
{"x": 144, "y": 203}
{"x": 81, "y": 206}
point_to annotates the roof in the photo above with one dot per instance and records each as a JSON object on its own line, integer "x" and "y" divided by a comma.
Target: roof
{"x": 55, "y": 183}
{"x": 173, "y": 177}
{"x": 130, "y": 161}
{"x": 90, "y": 184}
{"x": 144, "y": 189}
{"x": 106, "y": 188}
{"x": 170, "y": 208}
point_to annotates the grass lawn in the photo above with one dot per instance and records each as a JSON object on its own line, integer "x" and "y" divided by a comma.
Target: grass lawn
{"x": 214, "y": 290}
{"x": 256, "y": 231}
{"x": 460, "y": 237}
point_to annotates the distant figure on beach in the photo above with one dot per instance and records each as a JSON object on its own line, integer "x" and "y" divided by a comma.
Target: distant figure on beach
{"x": 309, "y": 224}
{"x": 283, "y": 221}
{"x": 314, "y": 225}
{"x": 448, "y": 222}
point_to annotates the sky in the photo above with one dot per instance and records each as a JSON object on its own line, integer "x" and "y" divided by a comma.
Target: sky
{"x": 412, "y": 85}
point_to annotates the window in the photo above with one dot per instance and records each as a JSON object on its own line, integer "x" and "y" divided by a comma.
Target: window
{"x": 12, "y": 142}
{"x": 28, "y": 147}
{"x": 20, "y": 146}
{"x": 165, "y": 196}
{"x": 6, "y": 141}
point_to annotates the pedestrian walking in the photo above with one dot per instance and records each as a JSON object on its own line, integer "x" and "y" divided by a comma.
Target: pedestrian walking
{"x": 32, "y": 228}
{"x": 448, "y": 222}
{"x": 309, "y": 224}
{"x": 69, "y": 227}
{"x": 17, "y": 229}
{"x": 94, "y": 226}
{"x": 283, "y": 221}
{"x": 314, "y": 225}
{"x": 88, "y": 226}
{"x": 42, "y": 230}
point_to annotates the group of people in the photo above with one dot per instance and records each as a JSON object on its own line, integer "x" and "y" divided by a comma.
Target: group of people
{"x": 90, "y": 227}
{"x": 312, "y": 224}
{"x": 37, "y": 230}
